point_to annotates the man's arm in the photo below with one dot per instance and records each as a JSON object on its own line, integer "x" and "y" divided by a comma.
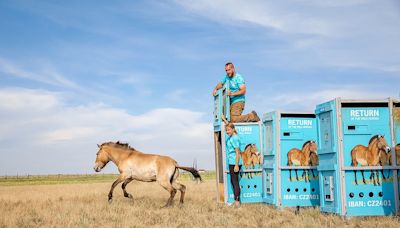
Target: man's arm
{"x": 217, "y": 87}
{"x": 242, "y": 90}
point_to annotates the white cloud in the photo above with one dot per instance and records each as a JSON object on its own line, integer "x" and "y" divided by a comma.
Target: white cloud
{"x": 51, "y": 130}
{"x": 17, "y": 99}
{"x": 360, "y": 33}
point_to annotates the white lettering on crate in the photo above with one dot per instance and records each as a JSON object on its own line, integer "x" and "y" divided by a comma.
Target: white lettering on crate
{"x": 251, "y": 194}
{"x": 300, "y": 197}
{"x": 292, "y": 123}
{"x": 244, "y": 130}
{"x": 370, "y": 203}
{"x": 364, "y": 114}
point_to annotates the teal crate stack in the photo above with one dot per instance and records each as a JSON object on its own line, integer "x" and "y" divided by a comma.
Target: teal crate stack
{"x": 355, "y": 140}
{"x": 250, "y": 178}
{"x": 290, "y": 177}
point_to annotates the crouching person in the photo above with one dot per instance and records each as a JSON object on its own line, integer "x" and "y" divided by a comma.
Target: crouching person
{"x": 237, "y": 91}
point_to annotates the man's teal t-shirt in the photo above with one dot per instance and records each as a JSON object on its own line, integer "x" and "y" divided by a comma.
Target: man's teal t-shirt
{"x": 234, "y": 83}
{"x": 232, "y": 142}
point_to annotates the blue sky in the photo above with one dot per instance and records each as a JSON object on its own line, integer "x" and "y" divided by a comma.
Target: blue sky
{"x": 74, "y": 74}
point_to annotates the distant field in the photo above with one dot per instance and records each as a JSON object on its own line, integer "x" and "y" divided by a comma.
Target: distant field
{"x": 70, "y": 179}
{"x": 81, "y": 202}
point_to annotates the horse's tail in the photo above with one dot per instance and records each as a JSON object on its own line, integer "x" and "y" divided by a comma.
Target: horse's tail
{"x": 193, "y": 171}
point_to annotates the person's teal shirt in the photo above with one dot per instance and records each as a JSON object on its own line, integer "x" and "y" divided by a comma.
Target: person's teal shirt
{"x": 234, "y": 85}
{"x": 233, "y": 142}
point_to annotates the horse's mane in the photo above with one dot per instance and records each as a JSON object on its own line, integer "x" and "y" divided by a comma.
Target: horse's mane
{"x": 248, "y": 146}
{"x": 373, "y": 138}
{"x": 118, "y": 144}
{"x": 306, "y": 143}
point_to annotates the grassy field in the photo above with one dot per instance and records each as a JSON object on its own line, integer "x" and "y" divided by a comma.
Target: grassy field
{"x": 70, "y": 179}
{"x": 83, "y": 203}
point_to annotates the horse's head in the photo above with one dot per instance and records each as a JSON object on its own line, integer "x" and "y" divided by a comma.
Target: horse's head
{"x": 311, "y": 145}
{"x": 102, "y": 159}
{"x": 382, "y": 144}
{"x": 251, "y": 149}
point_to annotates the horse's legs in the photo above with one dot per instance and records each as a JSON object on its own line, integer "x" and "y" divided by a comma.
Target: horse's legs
{"x": 126, "y": 182}
{"x": 373, "y": 176}
{"x": 377, "y": 177}
{"x": 297, "y": 177}
{"x": 304, "y": 175}
{"x": 116, "y": 182}
{"x": 355, "y": 176}
{"x": 312, "y": 171}
{"x": 172, "y": 191}
{"x": 181, "y": 188}
{"x": 362, "y": 173}
{"x": 290, "y": 174}
{"x": 383, "y": 175}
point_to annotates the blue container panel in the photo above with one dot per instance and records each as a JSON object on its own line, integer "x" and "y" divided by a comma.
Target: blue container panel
{"x": 329, "y": 192}
{"x": 369, "y": 199}
{"x": 250, "y": 187}
{"x": 221, "y": 106}
{"x": 269, "y": 186}
{"x": 360, "y": 124}
{"x": 327, "y": 128}
{"x": 294, "y": 133}
{"x": 300, "y": 192}
{"x": 250, "y": 182}
{"x": 328, "y": 157}
{"x": 269, "y": 138}
{"x": 250, "y": 134}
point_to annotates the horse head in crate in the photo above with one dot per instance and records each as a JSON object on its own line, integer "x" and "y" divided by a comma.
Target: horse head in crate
{"x": 370, "y": 156}
{"x": 250, "y": 156}
{"x": 301, "y": 157}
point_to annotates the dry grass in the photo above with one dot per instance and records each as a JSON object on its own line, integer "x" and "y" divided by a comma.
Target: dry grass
{"x": 85, "y": 205}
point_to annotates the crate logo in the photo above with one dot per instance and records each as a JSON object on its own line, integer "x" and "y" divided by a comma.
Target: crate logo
{"x": 300, "y": 123}
{"x": 364, "y": 114}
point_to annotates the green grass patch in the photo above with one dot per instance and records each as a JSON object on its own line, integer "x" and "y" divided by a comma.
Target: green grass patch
{"x": 70, "y": 179}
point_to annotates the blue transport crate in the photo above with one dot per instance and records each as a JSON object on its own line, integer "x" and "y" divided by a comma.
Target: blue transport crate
{"x": 355, "y": 141}
{"x": 290, "y": 159}
{"x": 250, "y": 179}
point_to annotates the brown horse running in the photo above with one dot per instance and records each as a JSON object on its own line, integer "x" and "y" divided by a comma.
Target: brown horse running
{"x": 135, "y": 165}
{"x": 369, "y": 156}
{"x": 301, "y": 157}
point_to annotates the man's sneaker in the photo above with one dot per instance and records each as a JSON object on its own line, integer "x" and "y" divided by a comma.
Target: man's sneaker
{"x": 256, "y": 118}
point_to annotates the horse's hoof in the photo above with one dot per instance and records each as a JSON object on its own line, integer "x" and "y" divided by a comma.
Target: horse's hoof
{"x": 109, "y": 201}
{"x": 129, "y": 196}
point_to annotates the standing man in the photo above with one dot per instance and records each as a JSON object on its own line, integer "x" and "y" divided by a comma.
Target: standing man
{"x": 237, "y": 90}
